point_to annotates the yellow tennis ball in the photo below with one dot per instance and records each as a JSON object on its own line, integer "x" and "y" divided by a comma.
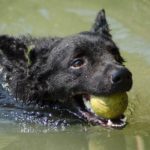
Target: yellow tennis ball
{"x": 109, "y": 107}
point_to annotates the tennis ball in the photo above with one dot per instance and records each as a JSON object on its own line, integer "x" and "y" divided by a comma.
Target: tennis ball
{"x": 109, "y": 107}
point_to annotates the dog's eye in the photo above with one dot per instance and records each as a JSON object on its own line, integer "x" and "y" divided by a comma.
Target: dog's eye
{"x": 77, "y": 63}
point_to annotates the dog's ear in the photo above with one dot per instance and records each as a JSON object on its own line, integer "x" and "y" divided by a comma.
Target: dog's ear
{"x": 101, "y": 26}
{"x": 12, "y": 48}
{"x": 12, "y": 51}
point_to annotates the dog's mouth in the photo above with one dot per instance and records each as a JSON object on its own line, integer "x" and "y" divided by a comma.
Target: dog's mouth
{"x": 85, "y": 110}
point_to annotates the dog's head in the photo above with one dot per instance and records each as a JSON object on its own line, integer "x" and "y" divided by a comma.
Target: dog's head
{"x": 88, "y": 63}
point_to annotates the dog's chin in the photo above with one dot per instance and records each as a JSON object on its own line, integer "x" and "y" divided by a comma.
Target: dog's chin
{"x": 85, "y": 111}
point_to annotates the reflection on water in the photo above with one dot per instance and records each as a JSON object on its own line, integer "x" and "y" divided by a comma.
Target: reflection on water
{"x": 81, "y": 140}
{"x": 130, "y": 25}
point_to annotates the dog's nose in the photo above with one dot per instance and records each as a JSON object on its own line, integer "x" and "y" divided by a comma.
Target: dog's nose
{"x": 121, "y": 77}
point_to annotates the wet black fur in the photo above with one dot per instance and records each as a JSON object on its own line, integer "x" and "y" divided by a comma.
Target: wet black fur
{"x": 40, "y": 69}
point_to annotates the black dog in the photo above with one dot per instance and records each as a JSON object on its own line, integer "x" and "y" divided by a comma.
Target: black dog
{"x": 66, "y": 70}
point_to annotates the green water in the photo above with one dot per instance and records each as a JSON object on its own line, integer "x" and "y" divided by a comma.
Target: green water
{"x": 130, "y": 24}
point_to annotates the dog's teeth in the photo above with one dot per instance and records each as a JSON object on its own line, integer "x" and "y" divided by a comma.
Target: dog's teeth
{"x": 124, "y": 119}
{"x": 88, "y": 105}
{"x": 118, "y": 125}
{"x": 109, "y": 123}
